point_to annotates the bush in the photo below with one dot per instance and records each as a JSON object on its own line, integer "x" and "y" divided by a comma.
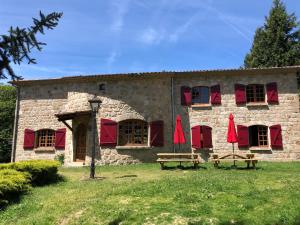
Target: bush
{"x": 12, "y": 183}
{"x": 60, "y": 158}
{"x": 41, "y": 171}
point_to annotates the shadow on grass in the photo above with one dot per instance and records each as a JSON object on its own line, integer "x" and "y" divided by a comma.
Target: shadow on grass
{"x": 183, "y": 168}
{"x": 237, "y": 168}
{"x": 127, "y": 176}
{"x": 95, "y": 179}
{"x": 49, "y": 181}
{"x": 116, "y": 221}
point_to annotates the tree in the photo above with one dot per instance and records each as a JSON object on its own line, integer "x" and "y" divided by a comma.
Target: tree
{"x": 277, "y": 42}
{"x": 7, "y": 112}
{"x": 17, "y": 45}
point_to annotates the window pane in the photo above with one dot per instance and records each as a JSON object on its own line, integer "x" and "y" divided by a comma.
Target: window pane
{"x": 133, "y": 132}
{"x": 204, "y": 95}
{"x": 200, "y": 95}
{"x": 46, "y": 138}
{"x": 255, "y": 93}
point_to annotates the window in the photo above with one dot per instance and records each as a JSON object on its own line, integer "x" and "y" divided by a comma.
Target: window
{"x": 133, "y": 132}
{"x": 258, "y": 136}
{"x": 45, "y": 138}
{"x": 200, "y": 95}
{"x": 255, "y": 93}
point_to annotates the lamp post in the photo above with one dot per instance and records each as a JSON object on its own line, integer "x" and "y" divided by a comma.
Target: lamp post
{"x": 95, "y": 104}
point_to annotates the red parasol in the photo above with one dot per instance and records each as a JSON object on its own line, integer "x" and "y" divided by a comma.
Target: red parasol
{"x": 231, "y": 134}
{"x": 178, "y": 133}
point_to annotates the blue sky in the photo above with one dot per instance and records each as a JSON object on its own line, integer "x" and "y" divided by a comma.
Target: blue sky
{"x": 111, "y": 36}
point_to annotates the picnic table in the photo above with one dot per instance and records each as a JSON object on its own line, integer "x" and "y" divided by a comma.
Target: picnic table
{"x": 178, "y": 157}
{"x": 248, "y": 158}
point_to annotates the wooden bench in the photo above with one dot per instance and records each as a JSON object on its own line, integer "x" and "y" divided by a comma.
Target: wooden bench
{"x": 178, "y": 157}
{"x": 248, "y": 158}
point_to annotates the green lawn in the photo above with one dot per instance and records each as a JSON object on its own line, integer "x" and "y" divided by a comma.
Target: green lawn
{"x": 143, "y": 194}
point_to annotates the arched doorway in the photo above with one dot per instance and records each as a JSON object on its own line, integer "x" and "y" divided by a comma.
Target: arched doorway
{"x": 80, "y": 143}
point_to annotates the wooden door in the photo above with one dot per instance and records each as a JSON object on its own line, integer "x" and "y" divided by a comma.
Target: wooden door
{"x": 80, "y": 143}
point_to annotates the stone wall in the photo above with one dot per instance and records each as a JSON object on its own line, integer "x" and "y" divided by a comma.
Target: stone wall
{"x": 286, "y": 113}
{"x": 38, "y": 104}
{"x": 149, "y": 99}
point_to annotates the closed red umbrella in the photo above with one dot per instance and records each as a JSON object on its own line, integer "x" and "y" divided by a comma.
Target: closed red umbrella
{"x": 178, "y": 133}
{"x": 231, "y": 134}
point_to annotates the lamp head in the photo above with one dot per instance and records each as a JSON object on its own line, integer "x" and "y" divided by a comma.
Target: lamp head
{"x": 95, "y": 103}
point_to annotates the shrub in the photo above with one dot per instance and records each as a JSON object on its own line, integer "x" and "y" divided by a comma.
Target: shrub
{"x": 60, "y": 158}
{"x": 41, "y": 171}
{"x": 12, "y": 183}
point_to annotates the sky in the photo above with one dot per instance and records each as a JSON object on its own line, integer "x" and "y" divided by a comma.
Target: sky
{"x": 122, "y": 36}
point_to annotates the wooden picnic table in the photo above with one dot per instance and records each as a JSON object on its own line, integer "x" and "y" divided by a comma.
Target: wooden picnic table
{"x": 249, "y": 158}
{"x": 178, "y": 157}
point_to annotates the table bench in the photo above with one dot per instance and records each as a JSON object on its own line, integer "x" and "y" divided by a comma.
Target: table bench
{"x": 248, "y": 158}
{"x": 178, "y": 157}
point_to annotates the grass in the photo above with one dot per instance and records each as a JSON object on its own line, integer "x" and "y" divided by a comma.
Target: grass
{"x": 143, "y": 194}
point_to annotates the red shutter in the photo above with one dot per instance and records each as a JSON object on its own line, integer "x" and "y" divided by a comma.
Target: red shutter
{"x": 157, "y": 133}
{"x": 186, "y": 95}
{"x": 240, "y": 94}
{"x": 108, "y": 132}
{"x": 215, "y": 94}
{"x": 60, "y": 138}
{"x": 196, "y": 137}
{"x": 29, "y": 138}
{"x": 272, "y": 93}
{"x": 207, "y": 138}
{"x": 243, "y": 136}
{"x": 276, "y": 137}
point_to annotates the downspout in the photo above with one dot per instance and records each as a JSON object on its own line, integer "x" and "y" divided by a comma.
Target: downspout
{"x": 15, "y": 131}
{"x": 173, "y": 110}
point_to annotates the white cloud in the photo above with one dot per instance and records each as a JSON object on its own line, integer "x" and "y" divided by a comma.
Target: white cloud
{"x": 112, "y": 57}
{"x": 119, "y": 10}
{"x": 183, "y": 28}
{"x": 152, "y": 36}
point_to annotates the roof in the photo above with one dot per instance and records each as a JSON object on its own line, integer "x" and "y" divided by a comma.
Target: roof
{"x": 86, "y": 78}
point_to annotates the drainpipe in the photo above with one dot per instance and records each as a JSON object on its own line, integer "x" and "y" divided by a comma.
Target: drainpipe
{"x": 15, "y": 131}
{"x": 173, "y": 110}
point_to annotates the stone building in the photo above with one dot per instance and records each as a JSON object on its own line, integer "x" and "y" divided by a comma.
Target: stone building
{"x": 136, "y": 118}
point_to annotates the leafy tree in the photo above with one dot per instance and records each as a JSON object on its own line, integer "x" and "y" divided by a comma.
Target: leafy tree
{"x": 17, "y": 45}
{"x": 7, "y": 112}
{"x": 277, "y": 42}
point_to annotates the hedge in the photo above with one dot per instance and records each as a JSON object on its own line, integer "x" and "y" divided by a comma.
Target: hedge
{"x": 41, "y": 171}
{"x": 12, "y": 183}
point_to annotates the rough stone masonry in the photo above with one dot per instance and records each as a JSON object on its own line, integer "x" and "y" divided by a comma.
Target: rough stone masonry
{"x": 45, "y": 106}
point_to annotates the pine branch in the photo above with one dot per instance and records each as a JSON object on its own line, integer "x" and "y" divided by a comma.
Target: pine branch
{"x": 17, "y": 45}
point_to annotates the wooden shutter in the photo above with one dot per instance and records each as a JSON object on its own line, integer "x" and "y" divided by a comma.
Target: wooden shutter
{"x": 240, "y": 94}
{"x": 186, "y": 95}
{"x": 215, "y": 94}
{"x": 108, "y": 132}
{"x": 157, "y": 133}
{"x": 272, "y": 92}
{"x": 196, "y": 137}
{"x": 60, "y": 138}
{"x": 207, "y": 137}
{"x": 243, "y": 136}
{"x": 276, "y": 136}
{"x": 29, "y": 138}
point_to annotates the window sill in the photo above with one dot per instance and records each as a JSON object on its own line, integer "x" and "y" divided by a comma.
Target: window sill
{"x": 260, "y": 149}
{"x": 201, "y": 105}
{"x": 254, "y": 104}
{"x": 132, "y": 147}
{"x": 44, "y": 149}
